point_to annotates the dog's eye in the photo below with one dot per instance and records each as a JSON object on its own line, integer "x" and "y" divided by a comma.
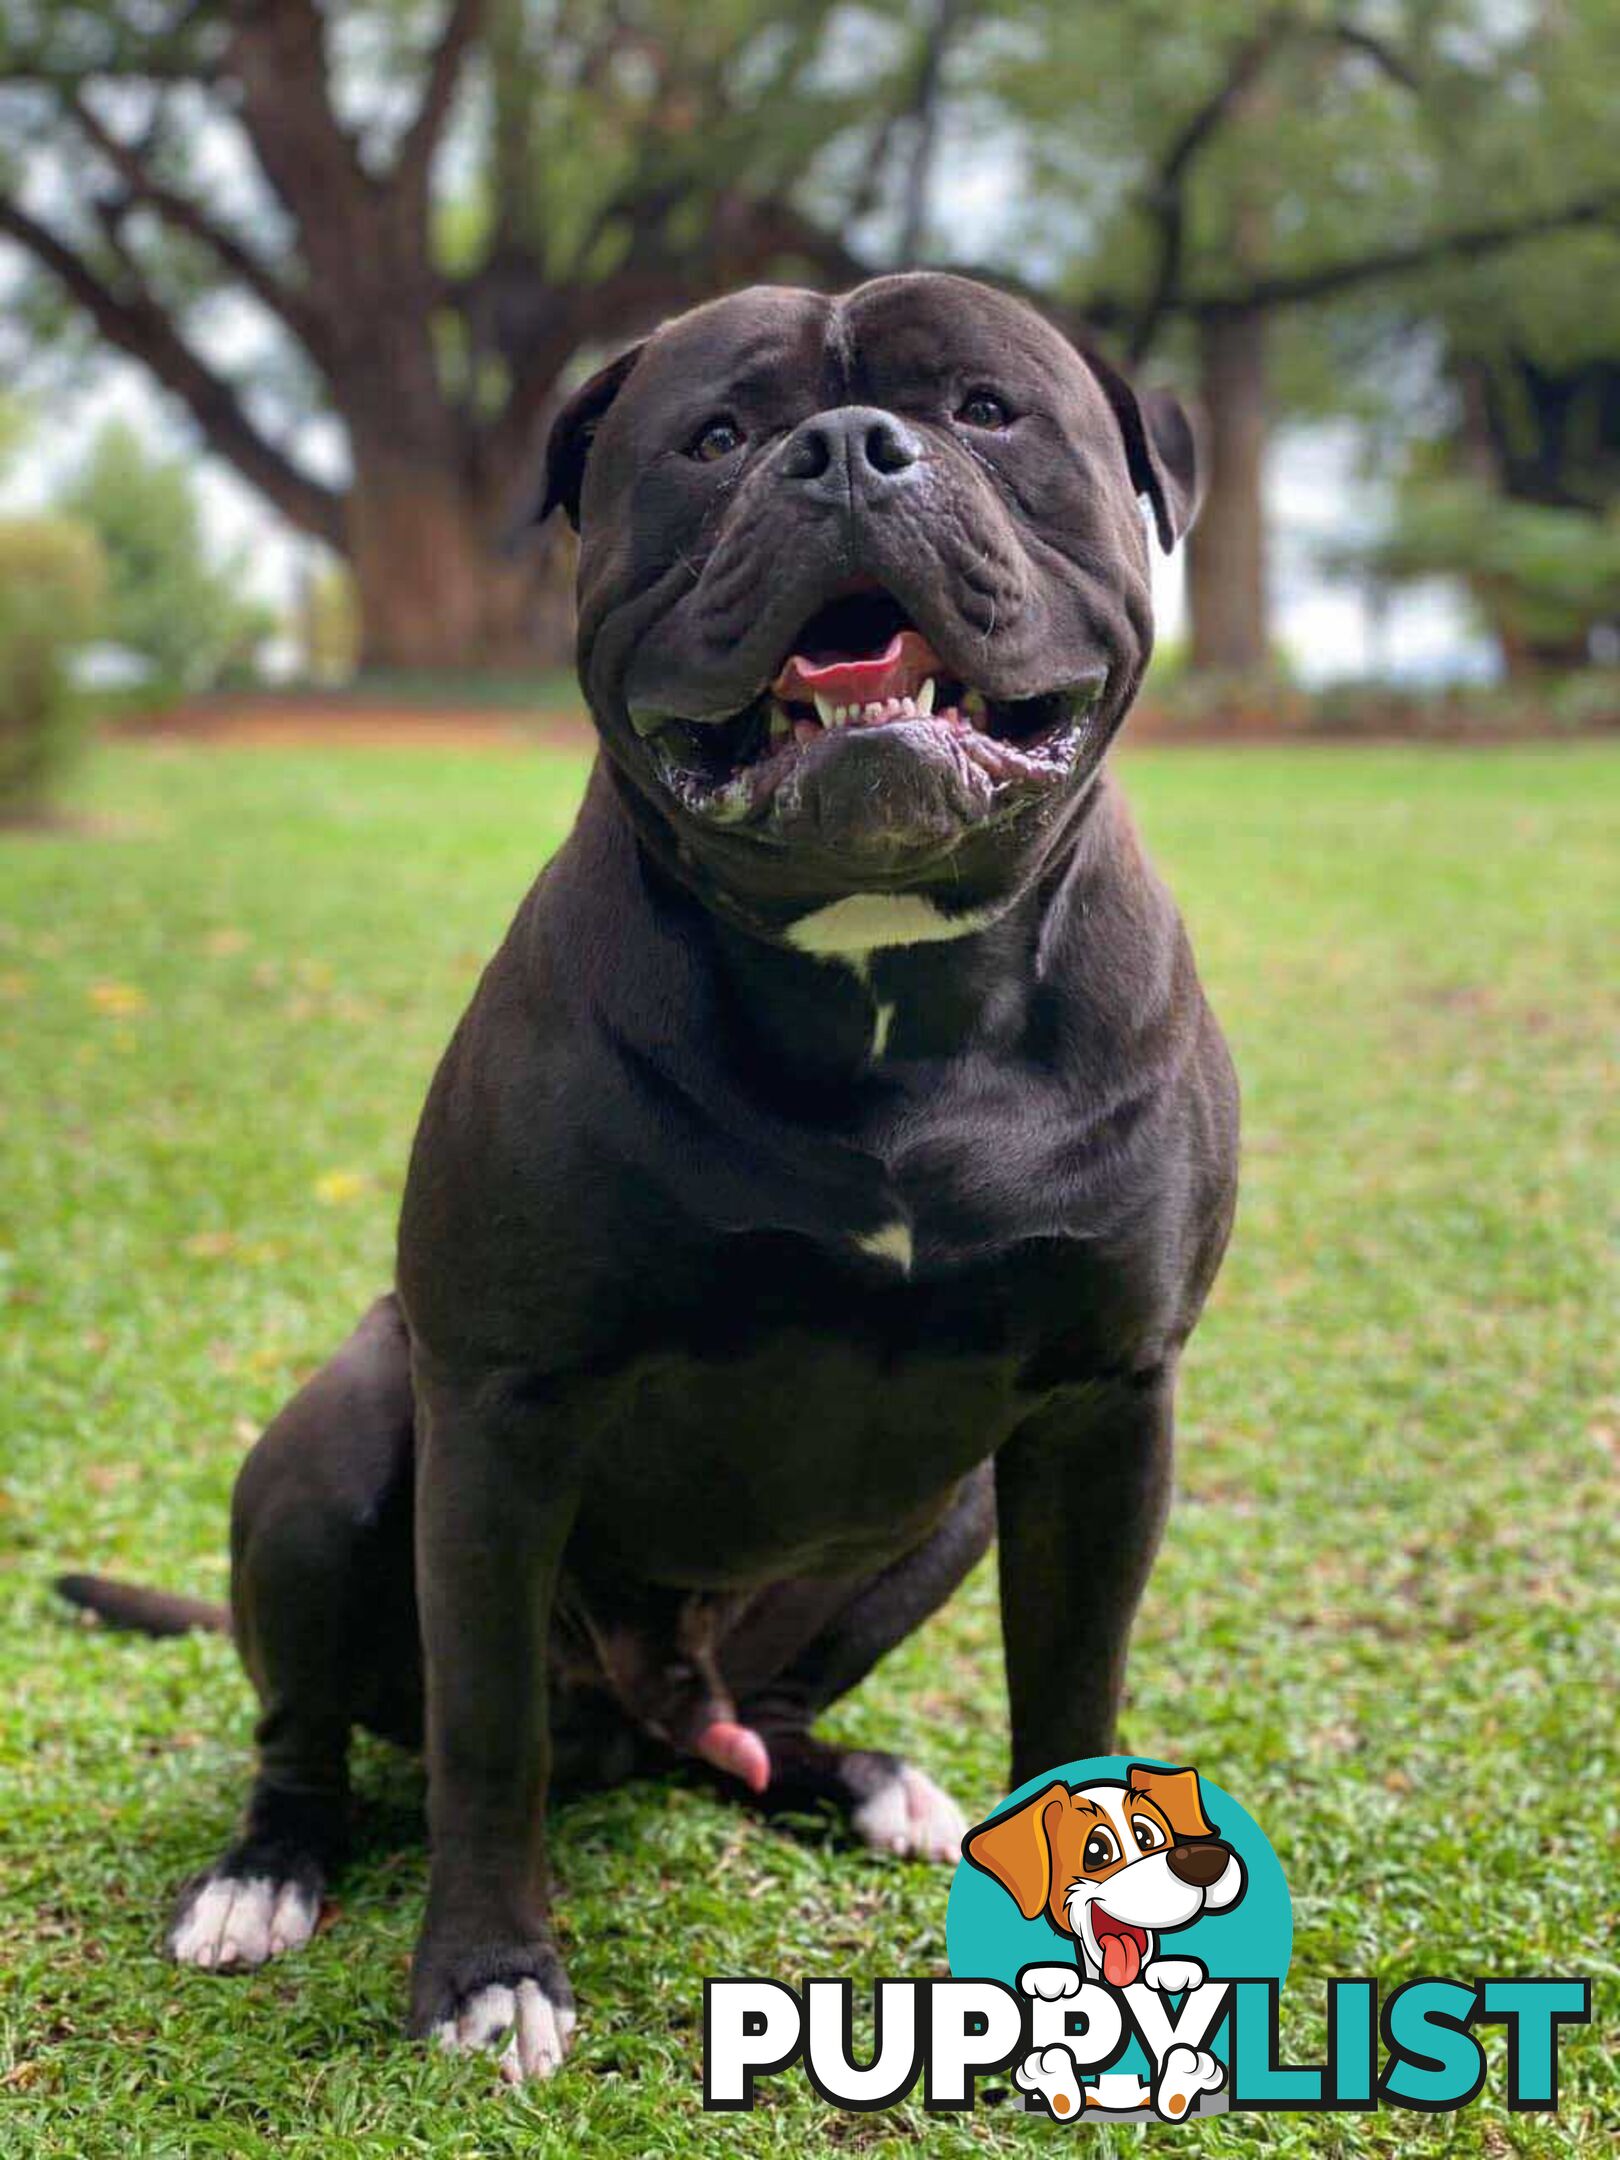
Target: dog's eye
{"x": 1147, "y": 1833}
{"x": 1100, "y": 1850}
{"x": 983, "y": 409}
{"x": 719, "y": 438}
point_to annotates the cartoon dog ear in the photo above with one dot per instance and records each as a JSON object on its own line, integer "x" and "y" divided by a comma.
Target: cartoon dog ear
{"x": 1160, "y": 448}
{"x": 1016, "y": 1849}
{"x": 568, "y": 444}
{"x": 1176, "y": 1794}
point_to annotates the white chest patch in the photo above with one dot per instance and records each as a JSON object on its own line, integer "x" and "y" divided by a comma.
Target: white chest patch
{"x": 851, "y": 930}
{"x": 867, "y": 922}
{"x": 891, "y": 1243}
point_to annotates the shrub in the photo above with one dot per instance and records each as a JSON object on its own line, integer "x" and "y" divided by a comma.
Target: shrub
{"x": 51, "y": 583}
{"x": 168, "y": 598}
{"x": 1542, "y": 579}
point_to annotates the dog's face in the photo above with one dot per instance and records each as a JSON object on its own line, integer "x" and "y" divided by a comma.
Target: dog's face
{"x": 1113, "y": 1865}
{"x": 863, "y": 584}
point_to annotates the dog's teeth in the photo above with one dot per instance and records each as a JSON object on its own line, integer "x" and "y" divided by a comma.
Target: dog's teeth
{"x": 973, "y": 704}
{"x": 826, "y": 711}
{"x": 780, "y": 725}
{"x": 925, "y": 697}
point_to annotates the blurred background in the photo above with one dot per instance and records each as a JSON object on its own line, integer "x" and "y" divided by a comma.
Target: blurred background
{"x": 288, "y": 291}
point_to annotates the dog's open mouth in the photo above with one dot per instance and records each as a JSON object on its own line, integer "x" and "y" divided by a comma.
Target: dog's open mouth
{"x": 1120, "y": 1946}
{"x": 860, "y": 664}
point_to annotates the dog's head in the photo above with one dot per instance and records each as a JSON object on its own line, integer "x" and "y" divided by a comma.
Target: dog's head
{"x": 863, "y": 585}
{"x": 1115, "y": 1865}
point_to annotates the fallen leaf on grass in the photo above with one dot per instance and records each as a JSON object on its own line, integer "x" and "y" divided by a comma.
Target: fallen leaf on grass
{"x": 337, "y": 1187}
{"x": 119, "y": 999}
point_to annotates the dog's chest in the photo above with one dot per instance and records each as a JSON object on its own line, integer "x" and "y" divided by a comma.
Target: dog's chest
{"x": 803, "y": 1408}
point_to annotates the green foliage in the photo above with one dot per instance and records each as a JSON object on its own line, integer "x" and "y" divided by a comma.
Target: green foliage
{"x": 1542, "y": 577}
{"x": 166, "y": 600}
{"x": 52, "y": 578}
{"x": 1385, "y": 1611}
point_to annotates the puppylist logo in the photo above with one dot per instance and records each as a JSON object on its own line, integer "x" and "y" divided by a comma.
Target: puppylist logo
{"x": 1118, "y": 1935}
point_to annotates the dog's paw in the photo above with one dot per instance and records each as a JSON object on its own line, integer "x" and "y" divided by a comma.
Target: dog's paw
{"x": 521, "y": 2026}
{"x": 1050, "y": 1983}
{"x": 232, "y": 1923}
{"x": 908, "y": 1815}
{"x": 1183, "y": 2075}
{"x": 1051, "y": 2072}
{"x": 1173, "y": 1975}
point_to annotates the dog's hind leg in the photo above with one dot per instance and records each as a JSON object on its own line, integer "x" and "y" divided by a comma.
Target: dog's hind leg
{"x": 324, "y": 1617}
{"x": 889, "y": 1804}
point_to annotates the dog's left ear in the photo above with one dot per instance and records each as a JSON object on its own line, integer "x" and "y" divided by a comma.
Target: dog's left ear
{"x": 1177, "y": 1796}
{"x": 569, "y": 443}
{"x": 1160, "y": 448}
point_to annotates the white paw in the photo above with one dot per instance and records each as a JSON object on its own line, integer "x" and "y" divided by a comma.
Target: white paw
{"x": 521, "y": 2025}
{"x": 232, "y": 1924}
{"x": 1050, "y": 1983}
{"x": 1184, "y": 2074}
{"x": 909, "y": 1815}
{"x": 1173, "y": 1976}
{"x": 1051, "y": 2073}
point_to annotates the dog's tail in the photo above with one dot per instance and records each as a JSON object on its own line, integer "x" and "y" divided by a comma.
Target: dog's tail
{"x": 146, "y": 1612}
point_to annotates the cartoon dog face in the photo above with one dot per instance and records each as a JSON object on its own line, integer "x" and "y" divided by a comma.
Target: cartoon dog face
{"x": 1114, "y": 1865}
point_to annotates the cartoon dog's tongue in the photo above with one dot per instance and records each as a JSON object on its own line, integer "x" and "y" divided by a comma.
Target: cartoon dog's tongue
{"x": 1121, "y": 1951}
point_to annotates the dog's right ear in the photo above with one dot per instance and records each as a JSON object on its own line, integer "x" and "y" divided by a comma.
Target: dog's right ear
{"x": 569, "y": 443}
{"x": 1160, "y": 448}
{"x": 1016, "y": 1849}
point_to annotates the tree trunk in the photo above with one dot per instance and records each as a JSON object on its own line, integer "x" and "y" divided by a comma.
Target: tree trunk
{"x": 1226, "y": 552}
{"x": 440, "y": 589}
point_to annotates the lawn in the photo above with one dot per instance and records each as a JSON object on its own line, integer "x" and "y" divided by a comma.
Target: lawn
{"x": 1385, "y": 1616}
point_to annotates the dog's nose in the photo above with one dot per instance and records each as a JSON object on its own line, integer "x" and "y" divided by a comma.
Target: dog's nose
{"x": 857, "y": 450}
{"x": 1199, "y": 1865}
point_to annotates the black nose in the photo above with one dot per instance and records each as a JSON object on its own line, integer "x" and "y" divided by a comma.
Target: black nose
{"x": 1200, "y": 1865}
{"x": 856, "y": 450}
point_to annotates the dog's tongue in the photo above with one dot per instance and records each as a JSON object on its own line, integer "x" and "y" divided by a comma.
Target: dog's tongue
{"x": 1122, "y": 1960}
{"x": 899, "y": 671}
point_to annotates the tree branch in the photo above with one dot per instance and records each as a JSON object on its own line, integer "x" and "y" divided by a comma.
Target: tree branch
{"x": 421, "y": 139}
{"x": 137, "y": 326}
{"x": 1167, "y": 197}
{"x": 924, "y": 103}
{"x": 277, "y": 56}
{"x": 1469, "y": 245}
{"x": 186, "y": 216}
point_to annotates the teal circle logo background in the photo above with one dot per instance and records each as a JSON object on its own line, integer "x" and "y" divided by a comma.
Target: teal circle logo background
{"x": 988, "y": 1938}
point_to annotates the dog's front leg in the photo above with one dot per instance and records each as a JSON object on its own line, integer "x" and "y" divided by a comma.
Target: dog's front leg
{"x": 492, "y": 1517}
{"x": 1081, "y": 1494}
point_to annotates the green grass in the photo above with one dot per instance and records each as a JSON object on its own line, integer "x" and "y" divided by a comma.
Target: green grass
{"x": 1386, "y": 1611}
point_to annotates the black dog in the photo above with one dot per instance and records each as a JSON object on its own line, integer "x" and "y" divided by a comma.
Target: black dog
{"x": 827, "y": 1173}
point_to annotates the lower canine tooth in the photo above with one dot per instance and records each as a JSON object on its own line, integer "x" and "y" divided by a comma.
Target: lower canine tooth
{"x": 925, "y": 696}
{"x": 780, "y": 725}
